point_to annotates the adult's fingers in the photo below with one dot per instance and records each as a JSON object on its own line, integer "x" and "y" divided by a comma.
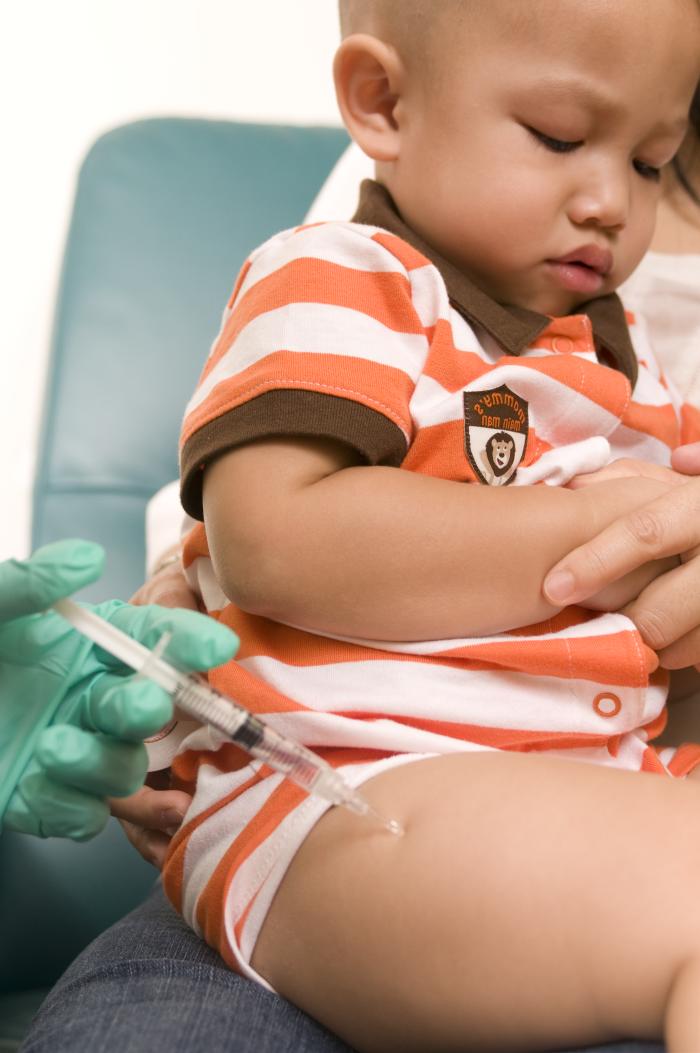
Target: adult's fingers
{"x": 53, "y": 571}
{"x": 150, "y": 844}
{"x": 668, "y": 610}
{"x": 169, "y": 588}
{"x": 686, "y": 459}
{"x": 126, "y": 708}
{"x": 198, "y": 642}
{"x": 94, "y": 764}
{"x": 152, "y": 809}
{"x": 46, "y": 808}
{"x": 667, "y": 526}
{"x": 149, "y": 818}
{"x": 683, "y": 653}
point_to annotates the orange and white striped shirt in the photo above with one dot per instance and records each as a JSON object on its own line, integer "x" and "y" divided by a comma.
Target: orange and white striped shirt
{"x": 353, "y": 331}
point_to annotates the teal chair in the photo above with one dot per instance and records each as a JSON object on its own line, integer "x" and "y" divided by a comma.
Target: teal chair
{"x": 165, "y": 213}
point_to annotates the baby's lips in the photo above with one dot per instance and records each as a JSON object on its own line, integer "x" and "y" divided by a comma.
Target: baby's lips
{"x": 596, "y": 257}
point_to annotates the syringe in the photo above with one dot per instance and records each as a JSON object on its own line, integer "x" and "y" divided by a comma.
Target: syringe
{"x": 208, "y": 706}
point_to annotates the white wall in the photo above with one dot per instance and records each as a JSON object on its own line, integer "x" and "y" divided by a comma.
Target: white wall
{"x": 69, "y": 69}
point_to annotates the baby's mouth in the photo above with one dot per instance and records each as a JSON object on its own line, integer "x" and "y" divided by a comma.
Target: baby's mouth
{"x": 584, "y": 270}
{"x": 594, "y": 257}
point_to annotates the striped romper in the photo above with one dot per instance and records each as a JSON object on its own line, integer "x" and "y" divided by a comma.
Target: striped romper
{"x": 359, "y": 332}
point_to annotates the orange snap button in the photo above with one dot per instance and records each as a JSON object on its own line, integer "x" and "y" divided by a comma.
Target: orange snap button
{"x": 606, "y": 704}
{"x": 563, "y": 344}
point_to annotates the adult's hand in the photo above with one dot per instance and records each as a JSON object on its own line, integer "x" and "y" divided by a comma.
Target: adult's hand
{"x": 150, "y": 817}
{"x": 72, "y": 718}
{"x": 666, "y": 612}
{"x": 167, "y": 586}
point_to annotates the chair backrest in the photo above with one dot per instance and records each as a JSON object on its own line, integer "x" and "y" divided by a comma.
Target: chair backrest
{"x": 165, "y": 213}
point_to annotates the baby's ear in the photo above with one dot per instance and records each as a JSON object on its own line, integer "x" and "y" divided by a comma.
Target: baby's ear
{"x": 368, "y": 77}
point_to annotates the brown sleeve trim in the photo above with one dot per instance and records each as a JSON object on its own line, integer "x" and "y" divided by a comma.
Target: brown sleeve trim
{"x": 289, "y": 412}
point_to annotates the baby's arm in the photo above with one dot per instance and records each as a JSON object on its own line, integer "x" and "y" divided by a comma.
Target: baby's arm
{"x": 380, "y": 553}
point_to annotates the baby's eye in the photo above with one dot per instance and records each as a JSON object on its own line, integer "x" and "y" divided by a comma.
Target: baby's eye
{"x": 647, "y": 171}
{"x": 557, "y": 146}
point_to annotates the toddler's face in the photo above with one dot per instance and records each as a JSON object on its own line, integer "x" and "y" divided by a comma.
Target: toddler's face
{"x": 532, "y": 160}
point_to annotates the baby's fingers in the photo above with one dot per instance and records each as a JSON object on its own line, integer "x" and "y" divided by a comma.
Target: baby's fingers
{"x": 626, "y": 468}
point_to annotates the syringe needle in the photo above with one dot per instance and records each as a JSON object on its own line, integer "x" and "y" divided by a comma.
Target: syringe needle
{"x": 392, "y": 825}
{"x": 358, "y": 804}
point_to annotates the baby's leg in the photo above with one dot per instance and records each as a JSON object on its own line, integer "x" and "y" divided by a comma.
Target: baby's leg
{"x": 532, "y": 903}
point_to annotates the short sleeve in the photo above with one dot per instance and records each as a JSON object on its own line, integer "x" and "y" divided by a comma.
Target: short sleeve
{"x": 320, "y": 339}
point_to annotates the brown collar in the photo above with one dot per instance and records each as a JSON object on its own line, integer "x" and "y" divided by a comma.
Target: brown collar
{"x": 513, "y": 328}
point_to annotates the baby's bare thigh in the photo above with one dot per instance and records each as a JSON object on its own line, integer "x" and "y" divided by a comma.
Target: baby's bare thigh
{"x": 531, "y": 903}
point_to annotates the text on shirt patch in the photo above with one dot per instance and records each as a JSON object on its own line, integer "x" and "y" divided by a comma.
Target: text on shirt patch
{"x": 495, "y": 433}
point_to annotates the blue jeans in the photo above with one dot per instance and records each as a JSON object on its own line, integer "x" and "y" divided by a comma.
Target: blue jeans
{"x": 149, "y": 985}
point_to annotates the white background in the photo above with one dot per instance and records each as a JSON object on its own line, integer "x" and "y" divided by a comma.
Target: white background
{"x": 71, "y": 69}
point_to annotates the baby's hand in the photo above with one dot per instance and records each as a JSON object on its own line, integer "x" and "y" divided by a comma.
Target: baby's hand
{"x": 627, "y": 468}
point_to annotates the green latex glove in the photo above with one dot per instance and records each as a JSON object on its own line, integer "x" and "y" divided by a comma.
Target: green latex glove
{"x": 72, "y": 718}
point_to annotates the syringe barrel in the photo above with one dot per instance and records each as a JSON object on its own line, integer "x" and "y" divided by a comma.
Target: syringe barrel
{"x": 301, "y": 765}
{"x": 288, "y": 757}
{"x": 208, "y": 706}
{"x": 285, "y": 756}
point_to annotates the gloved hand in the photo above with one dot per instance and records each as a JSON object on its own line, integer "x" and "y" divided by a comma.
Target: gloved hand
{"x": 72, "y": 718}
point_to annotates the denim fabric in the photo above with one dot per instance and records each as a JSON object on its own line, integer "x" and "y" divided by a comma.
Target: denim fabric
{"x": 149, "y": 985}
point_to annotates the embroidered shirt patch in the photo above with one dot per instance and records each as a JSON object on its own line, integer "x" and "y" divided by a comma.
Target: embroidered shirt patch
{"x": 495, "y": 433}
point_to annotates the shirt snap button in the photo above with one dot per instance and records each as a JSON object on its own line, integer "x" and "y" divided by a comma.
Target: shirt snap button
{"x": 606, "y": 704}
{"x": 563, "y": 344}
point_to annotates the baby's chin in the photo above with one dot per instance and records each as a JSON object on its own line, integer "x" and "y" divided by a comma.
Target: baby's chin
{"x": 557, "y": 305}
{"x": 543, "y": 298}
{"x": 555, "y": 302}
{"x": 534, "y": 292}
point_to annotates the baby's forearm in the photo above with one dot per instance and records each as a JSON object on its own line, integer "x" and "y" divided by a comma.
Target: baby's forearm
{"x": 385, "y": 554}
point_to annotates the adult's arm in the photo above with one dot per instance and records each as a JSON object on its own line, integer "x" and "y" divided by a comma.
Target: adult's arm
{"x": 667, "y": 612}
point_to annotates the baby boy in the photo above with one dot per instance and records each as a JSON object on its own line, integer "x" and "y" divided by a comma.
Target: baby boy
{"x": 363, "y": 448}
